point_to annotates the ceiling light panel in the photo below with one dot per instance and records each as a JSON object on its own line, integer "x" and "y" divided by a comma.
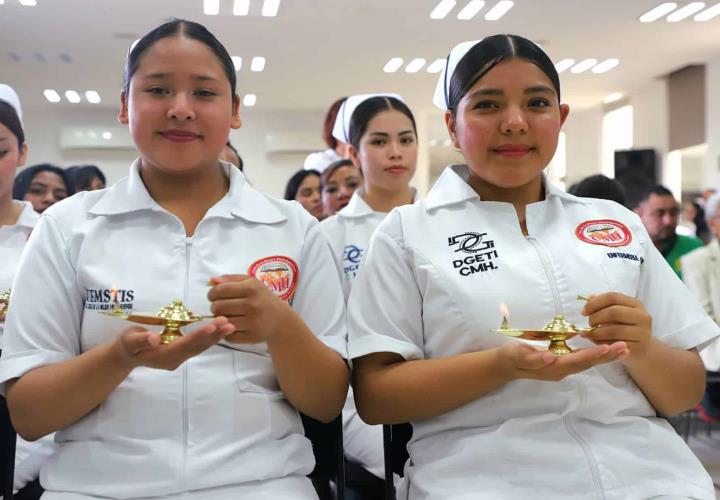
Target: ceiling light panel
{"x": 92, "y": 97}
{"x": 471, "y": 10}
{"x": 442, "y": 9}
{"x": 436, "y": 66}
{"x": 393, "y": 65}
{"x": 270, "y": 8}
{"x": 583, "y": 66}
{"x": 685, "y": 12}
{"x": 615, "y": 96}
{"x": 605, "y": 66}
{"x": 501, "y": 8}
{"x": 249, "y": 100}
{"x": 72, "y": 96}
{"x": 51, "y": 95}
{"x": 237, "y": 62}
{"x": 28, "y": 3}
{"x": 257, "y": 64}
{"x": 658, "y": 12}
{"x": 415, "y": 65}
{"x": 211, "y": 7}
{"x": 708, "y": 14}
{"x": 564, "y": 65}
{"x": 241, "y": 7}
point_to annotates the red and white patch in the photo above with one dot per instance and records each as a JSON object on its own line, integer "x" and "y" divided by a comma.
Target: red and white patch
{"x": 278, "y": 273}
{"x": 606, "y": 232}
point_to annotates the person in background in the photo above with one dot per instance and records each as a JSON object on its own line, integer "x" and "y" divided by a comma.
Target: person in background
{"x": 659, "y": 212}
{"x": 230, "y": 155}
{"x": 601, "y": 187}
{"x": 304, "y": 187}
{"x": 337, "y": 150}
{"x": 692, "y": 222}
{"x": 701, "y": 274}
{"x": 42, "y": 185}
{"x": 86, "y": 178}
{"x": 17, "y": 220}
{"x": 338, "y": 183}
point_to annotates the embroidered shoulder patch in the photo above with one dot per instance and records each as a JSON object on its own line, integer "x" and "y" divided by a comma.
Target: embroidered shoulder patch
{"x": 606, "y": 232}
{"x": 279, "y": 273}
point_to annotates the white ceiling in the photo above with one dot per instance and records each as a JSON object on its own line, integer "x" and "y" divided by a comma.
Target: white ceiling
{"x": 318, "y": 50}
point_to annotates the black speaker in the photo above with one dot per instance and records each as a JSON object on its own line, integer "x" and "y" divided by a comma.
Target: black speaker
{"x": 636, "y": 170}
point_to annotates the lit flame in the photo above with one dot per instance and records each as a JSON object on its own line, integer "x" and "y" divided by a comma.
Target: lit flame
{"x": 505, "y": 313}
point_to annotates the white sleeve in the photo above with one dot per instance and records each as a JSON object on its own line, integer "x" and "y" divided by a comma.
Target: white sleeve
{"x": 385, "y": 304}
{"x": 46, "y": 306}
{"x": 319, "y": 298}
{"x": 678, "y": 319}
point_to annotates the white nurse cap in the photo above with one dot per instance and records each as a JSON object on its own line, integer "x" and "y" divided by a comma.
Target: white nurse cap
{"x": 8, "y": 95}
{"x": 442, "y": 89}
{"x": 341, "y": 130}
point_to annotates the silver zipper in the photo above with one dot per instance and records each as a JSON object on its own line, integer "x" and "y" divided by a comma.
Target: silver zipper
{"x": 592, "y": 463}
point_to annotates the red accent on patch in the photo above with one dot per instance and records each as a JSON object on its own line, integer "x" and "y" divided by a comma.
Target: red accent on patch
{"x": 280, "y": 274}
{"x": 606, "y": 232}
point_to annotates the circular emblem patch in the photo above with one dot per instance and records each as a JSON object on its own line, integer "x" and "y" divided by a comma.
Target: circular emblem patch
{"x": 278, "y": 273}
{"x": 609, "y": 233}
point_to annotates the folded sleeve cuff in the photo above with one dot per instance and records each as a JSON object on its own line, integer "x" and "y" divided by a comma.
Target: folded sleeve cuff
{"x": 18, "y": 364}
{"x": 379, "y": 343}
{"x": 698, "y": 335}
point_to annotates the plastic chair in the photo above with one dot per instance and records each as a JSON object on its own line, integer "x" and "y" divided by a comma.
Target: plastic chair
{"x": 395, "y": 440}
{"x": 327, "y": 446}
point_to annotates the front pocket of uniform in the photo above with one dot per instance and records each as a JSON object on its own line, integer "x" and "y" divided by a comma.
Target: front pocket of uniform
{"x": 255, "y": 373}
{"x": 622, "y": 276}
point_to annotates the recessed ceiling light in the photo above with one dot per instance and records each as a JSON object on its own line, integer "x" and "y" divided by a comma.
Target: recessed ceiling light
{"x": 28, "y": 3}
{"x": 436, "y": 66}
{"x": 685, "y": 12}
{"x": 92, "y": 97}
{"x": 583, "y": 66}
{"x": 92, "y": 134}
{"x": 564, "y": 65}
{"x": 270, "y": 8}
{"x": 615, "y": 96}
{"x": 257, "y": 64}
{"x": 249, "y": 100}
{"x": 471, "y": 9}
{"x": 442, "y": 9}
{"x": 708, "y": 14}
{"x": 393, "y": 65}
{"x": 501, "y": 8}
{"x": 211, "y": 7}
{"x": 2, "y": 2}
{"x": 415, "y": 65}
{"x": 72, "y": 96}
{"x": 660, "y": 11}
{"x": 447, "y": 142}
{"x": 107, "y": 135}
{"x": 605, "y": 66}
{"x": 237, "y": 62}
{"x": 51, "y": 95}
{"x": 241, "y": 7}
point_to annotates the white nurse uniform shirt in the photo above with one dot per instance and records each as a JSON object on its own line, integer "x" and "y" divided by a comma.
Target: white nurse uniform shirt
{"x": 217, "y": 427}
{"x": 349, "y": 232}
{"x": 434, "y": 277}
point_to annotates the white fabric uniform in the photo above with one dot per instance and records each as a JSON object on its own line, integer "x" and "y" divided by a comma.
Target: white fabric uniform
{"x": 434, "y": 277}
{"x": 349, "y": 232}
{"x": 701, "y": 274}
{"x": 28, "y": 456}
{"x": 220, "y": 422}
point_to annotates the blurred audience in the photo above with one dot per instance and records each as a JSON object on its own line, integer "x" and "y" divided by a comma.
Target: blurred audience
{"x": 600, "y": 186}
{"x": 304, "y": 187}
{"x": 230, "y": 155}
{"x": 86, "y": 178}
{"x": 42, "y": 185}
{"x": 339, "y": 181}
{"x": 337, "y": 150}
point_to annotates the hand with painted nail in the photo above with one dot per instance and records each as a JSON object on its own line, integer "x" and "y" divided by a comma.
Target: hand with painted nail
{"x": 619, "y": 318}
{"x": 257, "y": 314}
{"x": 139, "y": 347}
{"x": 526, "y": 361}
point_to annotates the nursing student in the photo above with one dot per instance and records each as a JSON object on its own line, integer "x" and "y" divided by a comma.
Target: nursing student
{"x": 495, "y": 417}
{"x": 17, "y": 219}
{"x": 382, "y": 137}
{"x": 213, "y": 415}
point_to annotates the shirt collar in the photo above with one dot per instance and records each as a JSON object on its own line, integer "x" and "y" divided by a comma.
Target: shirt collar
{"x": 28, "y": 216}
{"x": 452, "y": 187}
{"x": 242, "y": 200}
{"x": 358, "y": 207}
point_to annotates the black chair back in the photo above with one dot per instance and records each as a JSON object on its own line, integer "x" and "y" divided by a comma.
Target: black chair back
{"x": 395, "y": 440}
{"x": 327, "y": 446}
{"x": 8, "y": 440}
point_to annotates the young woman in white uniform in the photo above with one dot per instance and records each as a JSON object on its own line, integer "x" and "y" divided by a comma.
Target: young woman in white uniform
{"x": 17, "y": 219}
{"x": 382, "y": 137}
{"x": 213, "y": 415}
{"x": 495, "y": 417}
